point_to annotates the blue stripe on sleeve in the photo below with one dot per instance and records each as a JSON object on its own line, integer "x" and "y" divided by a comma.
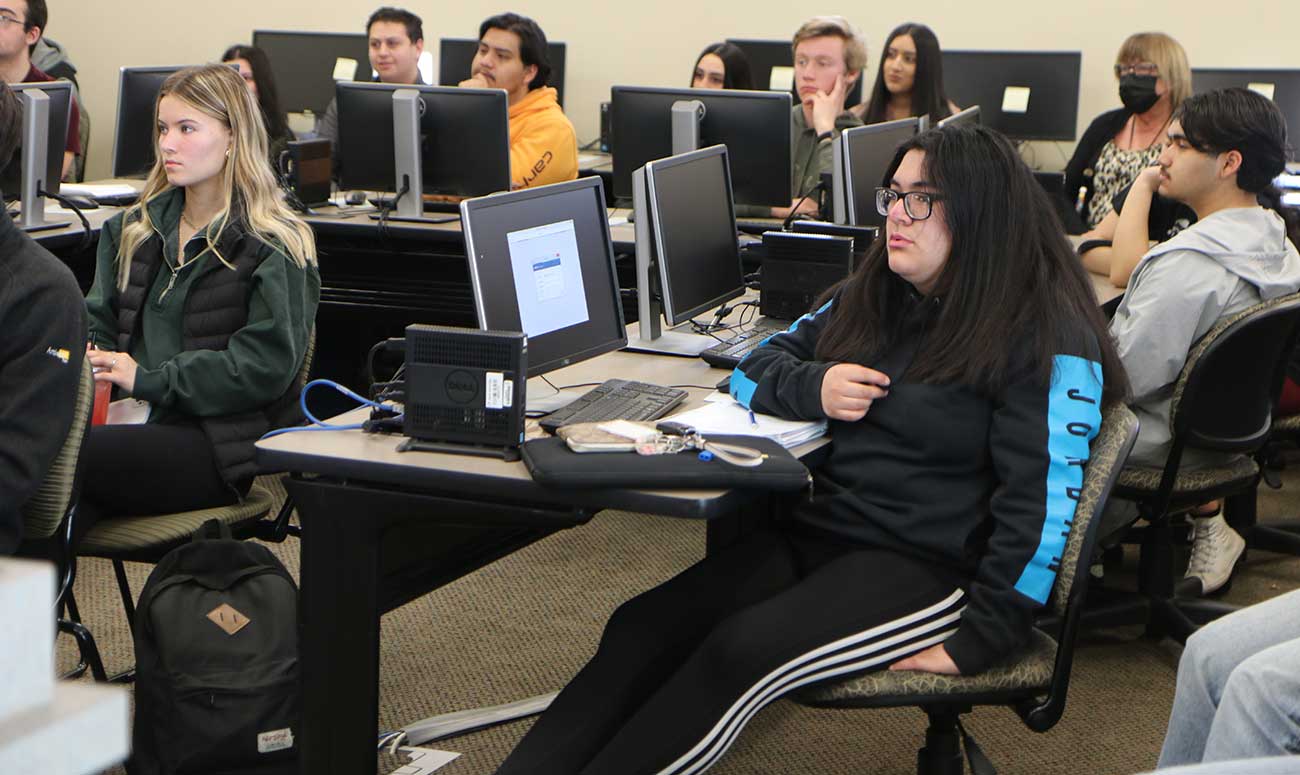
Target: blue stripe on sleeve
{"x": 1073, "y": 419}
{"x": 742, "y": 387}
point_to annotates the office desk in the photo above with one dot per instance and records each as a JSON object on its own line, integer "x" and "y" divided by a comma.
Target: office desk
{"x": 381, "y": 528}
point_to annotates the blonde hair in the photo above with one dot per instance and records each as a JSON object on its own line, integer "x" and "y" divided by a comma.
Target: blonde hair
{"x": 248, "y": 184}
{"x": 855, "y": 47}
{"x": 1168, "y": 56}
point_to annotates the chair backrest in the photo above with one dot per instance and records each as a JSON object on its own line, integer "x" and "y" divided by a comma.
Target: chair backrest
{"x": 1108, "y": 453}
{"x": 1224, "y": 397}
{"x": 57, "y": 493}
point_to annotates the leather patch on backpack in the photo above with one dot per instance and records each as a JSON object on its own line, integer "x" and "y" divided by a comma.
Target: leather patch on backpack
{"x": 228, "y": 619}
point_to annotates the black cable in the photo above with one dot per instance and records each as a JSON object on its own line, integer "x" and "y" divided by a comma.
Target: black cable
{"x": 86, "y": 239}
{"x": 388, "y": 207}
{"x": 789, "y": 219}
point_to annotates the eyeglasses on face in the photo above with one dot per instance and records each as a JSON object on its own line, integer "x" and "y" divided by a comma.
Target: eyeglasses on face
{"x": 1141, "y": 68}
{"x": 917, "y": 204}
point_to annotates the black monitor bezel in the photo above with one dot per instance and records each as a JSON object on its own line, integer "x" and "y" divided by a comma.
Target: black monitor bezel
{"x": 673, "y": 317}
{"x": 1292, "y": 73}
{"x": 847, "y": 137}
{"x": 123, "y": 73}
{"x": 287, "y": 101}
{"x": 470, "y": 207}
{"x": 623, "y": 167}
{"x": 989, "y": 115}
{"x": 497, "y": 95}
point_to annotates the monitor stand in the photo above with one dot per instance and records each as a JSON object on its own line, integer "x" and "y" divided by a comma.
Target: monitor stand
{"x": 408, "y": 162}
{"x": 543, "y": 399}
{"x": 671, "y": 342}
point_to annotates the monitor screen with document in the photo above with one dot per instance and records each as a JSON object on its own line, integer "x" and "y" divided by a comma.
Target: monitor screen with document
{"x": 541, "y": 262}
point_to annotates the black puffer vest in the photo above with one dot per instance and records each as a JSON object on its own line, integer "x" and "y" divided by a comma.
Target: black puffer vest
{"x": 216, "y": 307}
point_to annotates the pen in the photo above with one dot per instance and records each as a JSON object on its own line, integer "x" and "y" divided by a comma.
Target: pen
{"x": 753, "y": 421}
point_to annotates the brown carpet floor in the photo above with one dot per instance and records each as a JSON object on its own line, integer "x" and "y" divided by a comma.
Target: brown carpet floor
{"x": 523, "y": 625}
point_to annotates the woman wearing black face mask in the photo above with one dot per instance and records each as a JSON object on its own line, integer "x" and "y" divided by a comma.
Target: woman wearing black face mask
{"x": 1154, "y": 79}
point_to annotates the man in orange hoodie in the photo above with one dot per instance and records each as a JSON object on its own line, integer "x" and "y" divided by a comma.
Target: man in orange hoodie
{"x": 512, "y": 56}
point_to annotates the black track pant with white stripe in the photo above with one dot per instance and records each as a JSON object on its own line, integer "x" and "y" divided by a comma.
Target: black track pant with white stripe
{"x": 681, "y": 668}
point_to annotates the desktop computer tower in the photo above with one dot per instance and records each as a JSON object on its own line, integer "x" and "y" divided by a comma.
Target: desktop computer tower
{"x": 465, "y": 390}
{"x": 799, "y": 268}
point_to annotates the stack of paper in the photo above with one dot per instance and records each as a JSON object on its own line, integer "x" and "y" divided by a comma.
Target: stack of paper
{"x": 722, "y": 416}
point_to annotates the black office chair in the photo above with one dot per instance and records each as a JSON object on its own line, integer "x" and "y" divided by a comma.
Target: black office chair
{"x": 1223, "y": 402}
{"x": 48, "y": 518}
{"x": 1034, "y": 682}
{"x": 147, "y": 539}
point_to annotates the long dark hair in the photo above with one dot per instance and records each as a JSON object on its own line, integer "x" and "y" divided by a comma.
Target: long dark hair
{"x": 1240, "y": 120}
{"x": 735, "y": 65}
{"x": 1012, "y": 294}
{"x": 928, "y": 96}
{"x": 268, "y": 98}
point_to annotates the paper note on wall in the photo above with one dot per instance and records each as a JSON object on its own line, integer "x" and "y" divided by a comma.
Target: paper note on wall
{"x": 1015, "y": 99}
{"x": 781, "y": 79}
{"x": 1265, "y": 89}
{"x": 345, "y": 69}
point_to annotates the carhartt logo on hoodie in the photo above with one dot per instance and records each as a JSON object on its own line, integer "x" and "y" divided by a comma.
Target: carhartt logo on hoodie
{"x": 59, "y": 353}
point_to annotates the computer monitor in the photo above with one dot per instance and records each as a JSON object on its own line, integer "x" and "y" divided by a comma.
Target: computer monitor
{"x": 454, "y": 142}
{"x": 133, "y": 140}
{"x": 771, "y": 63}
{"x": 862, "y": 154}
{"x": 754, "y": 125}
{"x": 456, "y": 57}
{"x": 541, "y": 261}
{"x": 1281, "y": 86}
{"x": 969, "y": 115}
{"x": 1026, "y": 95}
{"x": 52, "y": 140}
{"x": 687, "y": 257}
{"x": 306, "y": 65}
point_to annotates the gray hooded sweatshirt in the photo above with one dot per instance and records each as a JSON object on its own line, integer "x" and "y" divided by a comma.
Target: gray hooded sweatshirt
{"x": 1231, "y": 260}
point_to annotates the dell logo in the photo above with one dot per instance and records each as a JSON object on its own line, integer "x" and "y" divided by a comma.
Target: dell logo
{"x": 461, "y": 386}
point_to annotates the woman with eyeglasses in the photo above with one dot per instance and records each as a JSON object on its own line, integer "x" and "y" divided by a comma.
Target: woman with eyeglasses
{"x": 1154, "y": 79}
{"x": 962, "y": 380}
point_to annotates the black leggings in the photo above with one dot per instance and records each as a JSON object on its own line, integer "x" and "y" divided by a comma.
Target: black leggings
{"x": 681, "y": 668}
{"x": 140, "y": 470}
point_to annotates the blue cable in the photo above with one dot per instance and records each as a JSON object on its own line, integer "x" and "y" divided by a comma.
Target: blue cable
{"x": 318, "y": 424}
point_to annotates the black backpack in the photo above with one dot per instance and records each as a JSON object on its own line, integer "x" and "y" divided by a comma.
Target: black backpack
{"x": 216, "y": 650}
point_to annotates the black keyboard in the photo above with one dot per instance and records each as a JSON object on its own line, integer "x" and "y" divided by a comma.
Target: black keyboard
{"x": 386, "y": 200}
{"x": 728, "y": 353}
{"x": 617, "y": 399}
{"x": 757, "y": 225}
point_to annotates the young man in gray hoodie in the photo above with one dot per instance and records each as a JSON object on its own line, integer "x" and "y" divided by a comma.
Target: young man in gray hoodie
{"x": 1224, "y": 150}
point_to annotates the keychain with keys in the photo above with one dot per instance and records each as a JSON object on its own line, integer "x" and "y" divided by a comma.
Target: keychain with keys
{"x": 674, "y": 437}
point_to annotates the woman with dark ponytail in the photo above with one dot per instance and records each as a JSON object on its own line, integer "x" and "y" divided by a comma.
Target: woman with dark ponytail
{"x": 1222, "y": 152}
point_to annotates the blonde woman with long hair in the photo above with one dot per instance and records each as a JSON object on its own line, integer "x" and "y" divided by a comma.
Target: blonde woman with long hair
{"x": 204, "y": 298}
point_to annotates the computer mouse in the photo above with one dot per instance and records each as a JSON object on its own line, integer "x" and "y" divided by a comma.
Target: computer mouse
{"x": 82, "y": 202}
{"x": 724, "y": 385}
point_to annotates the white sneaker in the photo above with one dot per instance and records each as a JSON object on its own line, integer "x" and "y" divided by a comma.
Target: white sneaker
{"x": 1215, "y": 550}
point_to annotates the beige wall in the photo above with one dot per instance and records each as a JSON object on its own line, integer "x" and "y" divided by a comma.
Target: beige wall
{"x": 655, "y": 42}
